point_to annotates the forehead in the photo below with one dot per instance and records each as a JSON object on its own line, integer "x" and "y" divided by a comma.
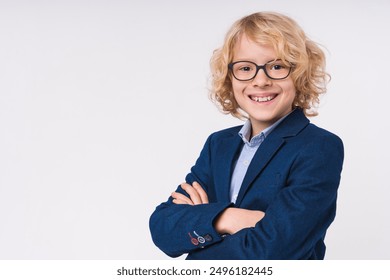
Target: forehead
{"x": 247, "y": 49}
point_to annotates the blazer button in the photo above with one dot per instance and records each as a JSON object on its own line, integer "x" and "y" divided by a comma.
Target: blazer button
{"x": 208, "y": 237}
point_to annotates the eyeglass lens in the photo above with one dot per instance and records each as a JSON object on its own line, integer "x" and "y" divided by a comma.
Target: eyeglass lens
{"x": 247, "y": 70}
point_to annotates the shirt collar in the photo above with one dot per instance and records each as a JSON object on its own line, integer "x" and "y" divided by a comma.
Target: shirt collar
{"x": 246, "y": 130}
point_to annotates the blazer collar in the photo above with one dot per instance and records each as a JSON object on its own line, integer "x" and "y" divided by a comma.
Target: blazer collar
{"x": 291, "y": 125}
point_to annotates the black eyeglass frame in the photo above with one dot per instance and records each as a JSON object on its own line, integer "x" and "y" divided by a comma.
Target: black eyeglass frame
{"x": 258, "y": 67}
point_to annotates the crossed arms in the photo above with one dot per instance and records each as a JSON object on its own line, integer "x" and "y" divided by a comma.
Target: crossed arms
{"x": 230, "y": 221}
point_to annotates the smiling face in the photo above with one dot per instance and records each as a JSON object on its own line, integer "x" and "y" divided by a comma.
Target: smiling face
{"x": 263, "y": 99}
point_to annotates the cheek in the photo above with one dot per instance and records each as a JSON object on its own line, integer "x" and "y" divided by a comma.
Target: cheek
{"x": 289, "y": 89}
{"x": 237, "y": 88}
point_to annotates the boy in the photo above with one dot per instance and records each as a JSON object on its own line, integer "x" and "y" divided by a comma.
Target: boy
{"x": 267, "y": 189}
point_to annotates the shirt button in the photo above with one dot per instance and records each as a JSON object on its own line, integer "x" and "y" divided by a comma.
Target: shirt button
{"x": 245, "y": 162}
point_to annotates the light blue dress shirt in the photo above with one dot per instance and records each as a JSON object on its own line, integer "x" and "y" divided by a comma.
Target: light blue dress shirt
{"x": 248, "y": 151}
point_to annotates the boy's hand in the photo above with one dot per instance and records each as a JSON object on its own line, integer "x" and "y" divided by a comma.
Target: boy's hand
{"x": 196, "y": 193}
{"x": 233, "y": 219}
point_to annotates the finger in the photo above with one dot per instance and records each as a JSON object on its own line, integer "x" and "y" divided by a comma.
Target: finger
{"x": 202, "y": 194}
{"x": 193, "y": 193}
{"x": 179, "y": 198}
{"x": 178, "y": 201}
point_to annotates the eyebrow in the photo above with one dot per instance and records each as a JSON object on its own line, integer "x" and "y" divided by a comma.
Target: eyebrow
{"x": 248, "y": 60}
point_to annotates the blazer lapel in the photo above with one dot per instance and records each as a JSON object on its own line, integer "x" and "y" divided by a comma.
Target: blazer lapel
{"x": 263, "y": 155}
{"x": 226, "y": 156}
{"x": 289, "y": 127}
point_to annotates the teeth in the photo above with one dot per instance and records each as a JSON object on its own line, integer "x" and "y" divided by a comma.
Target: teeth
{"x": 262, "y": 99}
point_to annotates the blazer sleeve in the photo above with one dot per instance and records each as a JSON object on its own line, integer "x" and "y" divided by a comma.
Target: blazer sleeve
{"x": 178, "y": 229}
{"x": 296, "y": 220}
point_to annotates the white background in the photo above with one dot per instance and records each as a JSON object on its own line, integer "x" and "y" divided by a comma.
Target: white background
{"x": 104, "y": 108}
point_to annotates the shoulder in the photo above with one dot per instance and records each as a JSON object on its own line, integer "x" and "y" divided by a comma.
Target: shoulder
{"x": 303, "y": 136}
{"x": 226, "y": 133}
{"x": 224, "y": 136}
{"x": 316, "y": 142}
{"x": 312, "y": 131}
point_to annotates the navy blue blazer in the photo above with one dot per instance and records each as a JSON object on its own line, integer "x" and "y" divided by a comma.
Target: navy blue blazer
{"x": 293, "y": 178}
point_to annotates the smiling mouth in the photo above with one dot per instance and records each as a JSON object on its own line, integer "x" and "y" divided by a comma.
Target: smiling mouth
{"x": 263, "y": 99}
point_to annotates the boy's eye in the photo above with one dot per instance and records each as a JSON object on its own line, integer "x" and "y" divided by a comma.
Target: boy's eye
{"x": 277, "y": 67}
{"x": 245, "y": 68}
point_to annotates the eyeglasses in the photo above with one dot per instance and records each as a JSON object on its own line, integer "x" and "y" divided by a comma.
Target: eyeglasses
{"x": 247, "y": 70}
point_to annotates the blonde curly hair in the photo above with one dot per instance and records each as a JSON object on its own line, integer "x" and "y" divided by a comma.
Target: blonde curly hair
{"x": 290, "y": 44}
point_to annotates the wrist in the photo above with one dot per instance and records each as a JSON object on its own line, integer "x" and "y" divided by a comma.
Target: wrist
{"x": 224, "y": 223}
{"x": 221, "y": 224}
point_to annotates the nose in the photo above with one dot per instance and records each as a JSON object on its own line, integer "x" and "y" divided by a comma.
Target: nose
{"x": 261, "y": 79}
